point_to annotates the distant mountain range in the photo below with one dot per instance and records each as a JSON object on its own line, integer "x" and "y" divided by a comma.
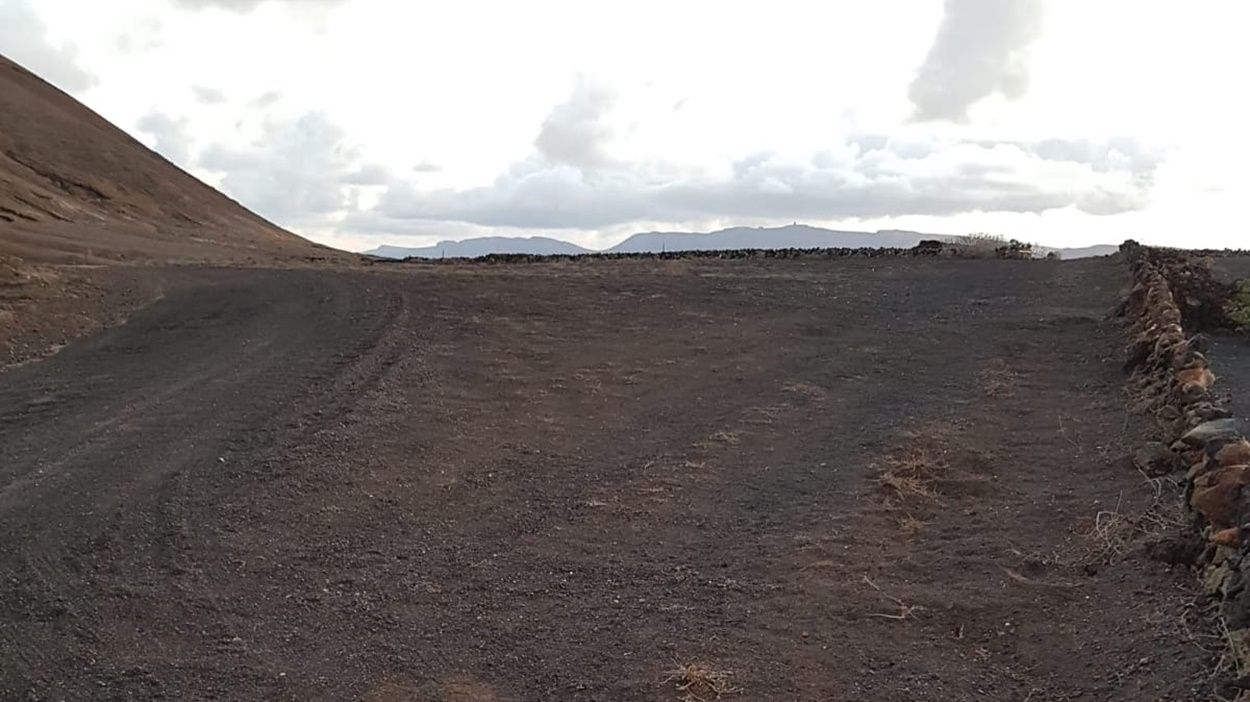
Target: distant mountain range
{"x": 1081, "y": 252}
{"x": 484, "y": 246}
{"x": 795, "y": 236}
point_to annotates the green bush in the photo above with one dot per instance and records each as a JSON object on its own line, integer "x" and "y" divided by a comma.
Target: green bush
{"x": 1238, "y": 308}
{"x": 1015, "y": 249}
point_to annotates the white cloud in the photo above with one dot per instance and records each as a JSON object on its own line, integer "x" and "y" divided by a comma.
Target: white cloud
{"x": 208, "y": 95}
{"x": 244, "y": 6}
{"x": 298, "y": 171}
{"x": 570, "y": 182}
{"x": 575, "y": 133}
{"x": 952, "y": 179}
{"x": 980, "y": 50}
{"x": 23, "y": 38}
{"x": 265, "y": 100}
{"x": 368, "y": 174}
{"x": 557, "y": 118}
{"x": 169, "y": 135}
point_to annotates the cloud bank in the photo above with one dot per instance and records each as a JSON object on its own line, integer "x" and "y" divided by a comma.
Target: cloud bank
{"x": 305, "y": 170}
{"x": 858, "y": 179}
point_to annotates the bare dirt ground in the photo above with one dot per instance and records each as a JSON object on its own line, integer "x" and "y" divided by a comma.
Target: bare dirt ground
{"x": 1230, "y": 353}
{"x": 43, "y": 308}
{"x": 826, "y": 480}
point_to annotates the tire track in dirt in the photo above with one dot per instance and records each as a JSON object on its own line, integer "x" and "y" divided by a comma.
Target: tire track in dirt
{"x": 98, "y": 480}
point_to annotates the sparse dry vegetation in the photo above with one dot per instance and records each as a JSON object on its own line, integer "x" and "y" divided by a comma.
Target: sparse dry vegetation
{"x": 907, "y": 476}
{"x": 699, "y": 682}
{"x": 1112, "y": 534}
{"x": 910, "y": 525}
{"x": 903, "y": 611}
{"x": 979, "y": 245}
{"x": 998, "y": 379}
{"x": 983, "y": 245}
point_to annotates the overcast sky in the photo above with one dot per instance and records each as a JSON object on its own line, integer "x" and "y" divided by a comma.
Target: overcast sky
{"x": 358, "y": 122}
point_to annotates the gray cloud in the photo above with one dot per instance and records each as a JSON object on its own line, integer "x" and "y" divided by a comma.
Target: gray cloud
{"x": 144, "y": 34}
{"x": 1104, "y": 157}
{"x": 266, "y": 99}
{"x": 574, "y": 132}
{"x": 295, "y": 172}
{"x": 170, "y": 136}
{"x": 207, "y": 95}
{"x": 23, "y": 38}
{"x": 368, "y": 174}
{"x": 307, "y": 172}
{"x": 883, "y": 179}
{"x": 980, "y": 50}
{"x": 570, "y": 182}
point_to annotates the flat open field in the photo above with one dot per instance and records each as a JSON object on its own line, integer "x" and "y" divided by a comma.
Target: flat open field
{"x": 1230, "y": 353}
{"x": 859, "y": 480}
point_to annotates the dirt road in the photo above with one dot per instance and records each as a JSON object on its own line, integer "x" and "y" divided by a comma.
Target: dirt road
{"x": 847, "y": 480}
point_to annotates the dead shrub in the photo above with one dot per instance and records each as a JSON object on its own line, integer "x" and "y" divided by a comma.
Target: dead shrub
{"x": 997, "y": 379}
{"x": 909, "y": 474}
{"x": 699, "y": 682}
{"x": 983, "y": 245}
{"x": 1111, "y": 534}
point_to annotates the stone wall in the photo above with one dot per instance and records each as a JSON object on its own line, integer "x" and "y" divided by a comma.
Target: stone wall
{"x": 924, "y": 249}
{"x": 1173, "y": 299}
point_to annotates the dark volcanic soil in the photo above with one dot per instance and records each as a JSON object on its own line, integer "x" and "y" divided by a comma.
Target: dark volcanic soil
{"x": 1230, "y": 353}
{"x": 44, "y": 308}
{"x": 561, "y": 481}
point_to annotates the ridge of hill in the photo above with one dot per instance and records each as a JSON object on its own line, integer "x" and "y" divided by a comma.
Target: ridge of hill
{"x": 483, "y": 246}
{"x": 75, "y": 188}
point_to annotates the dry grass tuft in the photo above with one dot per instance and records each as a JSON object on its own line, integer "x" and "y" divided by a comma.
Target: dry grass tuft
{"x": 698, "y": 682}
{"x": 1113, "y": 533}
{"x": 908, "y": 475}
{"x": 997, "y": 380}
{"x": 903, "y": 612}
{"x": 910, "y": 525}
{"x": 907, "y": 479}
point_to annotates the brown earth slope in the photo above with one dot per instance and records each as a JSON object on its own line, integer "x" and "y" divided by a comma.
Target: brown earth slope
{"x": 74, "y": 188}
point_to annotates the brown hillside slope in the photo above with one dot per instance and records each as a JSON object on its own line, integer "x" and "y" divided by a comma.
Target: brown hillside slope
{"x": 75, "y": 188}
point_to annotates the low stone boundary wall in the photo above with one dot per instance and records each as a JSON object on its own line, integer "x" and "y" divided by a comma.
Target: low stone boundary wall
{"x": 925, "y": 248}
{"x": 1172, "y": 300}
